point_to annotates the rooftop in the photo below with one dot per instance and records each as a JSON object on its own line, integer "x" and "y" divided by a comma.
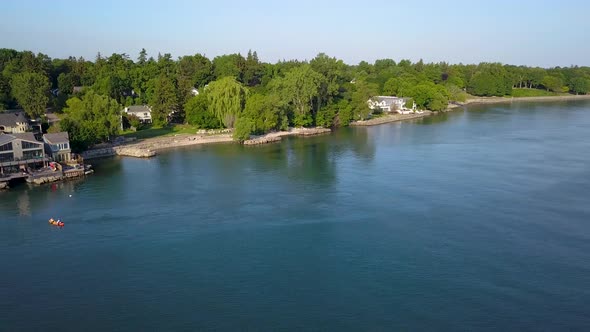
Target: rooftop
{"x": 26, "y": 137}
{"x": 11, "y": 119}
{"x": 138, "y": 109}
{"x": 56, "y": 138}
{"x": 5, "y": 138}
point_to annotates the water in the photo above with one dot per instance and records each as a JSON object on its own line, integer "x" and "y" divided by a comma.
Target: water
{"x": 473, "y": 220}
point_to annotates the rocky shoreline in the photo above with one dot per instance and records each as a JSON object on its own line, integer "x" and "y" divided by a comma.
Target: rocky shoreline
{"x": 390, "y": 118}
{"x": 278, "y": 136}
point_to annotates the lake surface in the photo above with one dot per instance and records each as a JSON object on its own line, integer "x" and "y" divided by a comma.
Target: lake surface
{"x": 473, "y": 220}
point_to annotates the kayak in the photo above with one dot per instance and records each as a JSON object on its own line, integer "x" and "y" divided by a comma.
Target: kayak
{"x": 56, "y": 222}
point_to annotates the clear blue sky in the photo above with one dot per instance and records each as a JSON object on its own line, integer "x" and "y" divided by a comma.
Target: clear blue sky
{"x": 542, "y": 33}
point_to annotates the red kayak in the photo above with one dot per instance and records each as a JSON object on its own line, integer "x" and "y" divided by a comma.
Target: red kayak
{"x": 56, "y": 222}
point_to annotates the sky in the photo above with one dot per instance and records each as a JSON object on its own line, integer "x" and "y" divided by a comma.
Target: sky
{"x": 520, "y": 32}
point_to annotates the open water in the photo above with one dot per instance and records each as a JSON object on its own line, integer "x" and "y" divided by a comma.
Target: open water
{"x": 473, "y": 220}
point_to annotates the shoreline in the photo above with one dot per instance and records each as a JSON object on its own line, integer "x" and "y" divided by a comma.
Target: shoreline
{"x": 388, "y": 118}
{"x": 146, "y": 148}
{"x": 473, "y": 101}
{"x": 149, "y": 147}
{"x": 500, "y": 100}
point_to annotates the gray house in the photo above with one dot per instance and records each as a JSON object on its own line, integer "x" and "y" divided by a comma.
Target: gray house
{"x": 58, "y": 145}
{"x": 22, "y": 148}
{"x": 13, "y": 123}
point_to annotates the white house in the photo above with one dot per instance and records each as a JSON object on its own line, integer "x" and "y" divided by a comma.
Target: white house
{"x": 143, "y": 112}
{"x": 14, "y": 123}
{"x": 391, "y": 104}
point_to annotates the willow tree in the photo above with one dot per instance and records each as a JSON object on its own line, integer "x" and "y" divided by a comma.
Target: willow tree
{"x": 227, "y": 98}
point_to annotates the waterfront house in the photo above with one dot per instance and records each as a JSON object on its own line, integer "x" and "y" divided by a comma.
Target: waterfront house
{"x": 390, "y": 104}
{"x": 143, "y": 112}
{"x": 58, "y": 146}
{"x": 18, "y": 150}
{"x": 14, "y": 123}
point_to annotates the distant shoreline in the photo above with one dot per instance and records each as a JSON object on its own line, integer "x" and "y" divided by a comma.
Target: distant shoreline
{"x": 499, "y": 100}
{"x": 473, "y": 101}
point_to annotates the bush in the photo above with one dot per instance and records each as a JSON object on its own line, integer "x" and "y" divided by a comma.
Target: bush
{"x": 244, "y": 127}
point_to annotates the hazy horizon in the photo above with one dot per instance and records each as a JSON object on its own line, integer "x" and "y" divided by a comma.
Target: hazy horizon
{"x": 529, "y": 33}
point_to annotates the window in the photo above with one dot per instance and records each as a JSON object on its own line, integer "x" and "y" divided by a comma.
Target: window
{"x": 29, "y": 145}
{"x": 6, "y": 147}
{"x": 6, "y": 156}
{"x": 32, "y": 154}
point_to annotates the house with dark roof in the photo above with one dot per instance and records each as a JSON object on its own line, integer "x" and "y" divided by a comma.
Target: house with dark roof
{"x": 14, "y": 122}
{"x": 19, "y": 149}
{"x": 143, "y": 112}
{"x": 58, "y": 146}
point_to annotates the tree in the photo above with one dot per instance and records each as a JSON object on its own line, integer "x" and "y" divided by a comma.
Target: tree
{"x": 164, "y": 100}
{"x": 141, "y": 60}
{"x": 197, "y": 113}
{"x": 298, "y": 89}
{"x": 227, "y": 98}
{"x": 90, "y": 120}
{"x": 552, "y": 83}
{"x": 244, "y": 127}
{"x": 580, "y": 85}
{"x": 431, "y": 96}
{"x": 231, "y": 65}
{"x": 362, "y": 93}
{"x": 65, "y": 83}
{"x": 266, "y": 112}
{"x": 253, "y": 70}
{"x": 391, "y": 87}
{"x": 31, "y": 91}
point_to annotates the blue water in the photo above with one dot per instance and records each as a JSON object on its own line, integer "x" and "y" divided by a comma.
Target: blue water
{"x": 473, "y": 220}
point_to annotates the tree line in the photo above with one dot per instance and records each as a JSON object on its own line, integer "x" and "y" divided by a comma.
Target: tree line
{"x": 245, "y": 93}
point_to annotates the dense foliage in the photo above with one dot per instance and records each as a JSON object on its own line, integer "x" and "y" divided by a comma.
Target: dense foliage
{"x": 245, "y": 93}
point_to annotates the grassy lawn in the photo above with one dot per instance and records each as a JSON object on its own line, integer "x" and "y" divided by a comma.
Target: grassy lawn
{"x": 161, "y": 131}
{"x": 534, "y": 93}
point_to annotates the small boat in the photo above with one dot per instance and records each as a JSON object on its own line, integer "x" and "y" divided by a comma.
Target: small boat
{"x": 56, "y": 222}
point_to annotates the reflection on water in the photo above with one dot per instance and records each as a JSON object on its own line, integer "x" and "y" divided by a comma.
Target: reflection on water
{"x": 24, "y": 204}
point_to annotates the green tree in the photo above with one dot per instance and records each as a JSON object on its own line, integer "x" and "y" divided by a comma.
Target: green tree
{"x": 552, "y": 83}
{"x": 244, "y": 127}
{"x": 65, "y": 83}
{"x": 90, "y": 120}
{"x": 198, "y": 113}
{"x": 298, "y": 89}
{"x": 231, "y": 65}
{"x": 391, "y": 86}
{"x": 363, "y": 91}
{"x": 164, "y": 100}
{"x": 227, "y": 98}
{"x": 580, "y": 85}
{"x": 266, "y": 112}
{"x": 31, "y": 91}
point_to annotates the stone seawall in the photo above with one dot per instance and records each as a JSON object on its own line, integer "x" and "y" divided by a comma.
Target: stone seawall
{"x": 45, "y": 179}
{"x": 118, "y": 151}
{"x": 277, "y": 136}
{"x": 263, "y": 140}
